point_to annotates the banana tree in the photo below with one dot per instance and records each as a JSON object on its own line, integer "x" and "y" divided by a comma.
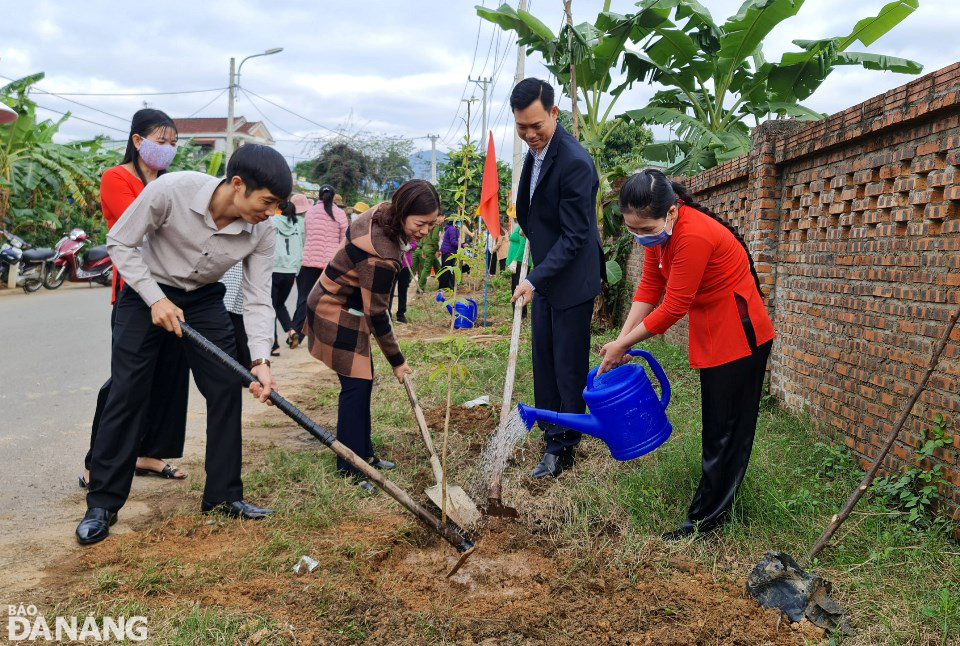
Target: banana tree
{"x": 596, "y": 51}
{"x": 40, "y": 179}
{"x": 717, "y": 79}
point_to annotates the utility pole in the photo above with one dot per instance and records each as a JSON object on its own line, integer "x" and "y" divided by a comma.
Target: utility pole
{"x": 518, "y": 149}
{"x": 483, "y": 83}
{"x": 433, "y": 158}
{"x": 469, "y": 103}
{"x": 231, "y": 98}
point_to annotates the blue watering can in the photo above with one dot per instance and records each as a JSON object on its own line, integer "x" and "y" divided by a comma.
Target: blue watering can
{"x": 466, "y": 311}
{"x": 625, "y": 412}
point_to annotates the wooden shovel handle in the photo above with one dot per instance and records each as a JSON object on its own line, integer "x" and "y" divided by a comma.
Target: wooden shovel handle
{"x": 422, "y": 423}
{"x": 514, "y": 341}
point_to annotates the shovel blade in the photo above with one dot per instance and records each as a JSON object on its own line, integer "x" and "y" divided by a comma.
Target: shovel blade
{"x": 460, "y": 509}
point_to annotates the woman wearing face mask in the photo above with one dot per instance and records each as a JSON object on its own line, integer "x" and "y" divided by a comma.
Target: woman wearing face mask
{"x": 700, "y": 266}
{"x": 351, "y": 301}
{"x": 151, "y": 147}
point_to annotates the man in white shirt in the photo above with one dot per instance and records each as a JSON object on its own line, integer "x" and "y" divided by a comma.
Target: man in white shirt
{"x": 171, "y": 246}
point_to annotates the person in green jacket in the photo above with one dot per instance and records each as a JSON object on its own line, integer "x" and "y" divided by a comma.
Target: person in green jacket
{"x": 287, "y": 258}
{"x": 425, "y": 255}
{"x": 515, "y": 257}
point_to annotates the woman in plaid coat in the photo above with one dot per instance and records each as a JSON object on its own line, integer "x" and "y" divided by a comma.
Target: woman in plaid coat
{"x": 351, "y": 301}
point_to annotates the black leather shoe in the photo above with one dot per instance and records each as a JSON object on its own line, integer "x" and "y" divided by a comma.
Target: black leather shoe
{"x": 686, "y": 530}
{"x": 367, "y": 487}
{"x": 235, "y": 509}
{"x": 95, "y": 525}
{"x": 401, "y": 319}
{"x": 383, "y": 465}
{"x": 551, "y": 466}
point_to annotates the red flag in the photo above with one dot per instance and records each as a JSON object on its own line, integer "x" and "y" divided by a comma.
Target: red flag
{"x": 490, "y": 192}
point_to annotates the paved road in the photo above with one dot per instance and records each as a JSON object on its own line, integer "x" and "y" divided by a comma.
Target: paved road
{"x": 55, "y": 356}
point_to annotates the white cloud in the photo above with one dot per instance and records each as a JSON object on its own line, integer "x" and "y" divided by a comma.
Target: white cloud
{"x": 391, "y": 67}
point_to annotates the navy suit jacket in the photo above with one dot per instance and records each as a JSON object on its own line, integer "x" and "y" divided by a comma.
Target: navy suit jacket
{"x": 561, "y": 223}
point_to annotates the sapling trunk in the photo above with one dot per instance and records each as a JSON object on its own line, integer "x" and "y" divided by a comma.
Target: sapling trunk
{"x": 837, "y": 520}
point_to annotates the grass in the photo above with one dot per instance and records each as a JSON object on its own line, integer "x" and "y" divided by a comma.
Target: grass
{"x": 899, "y": 584}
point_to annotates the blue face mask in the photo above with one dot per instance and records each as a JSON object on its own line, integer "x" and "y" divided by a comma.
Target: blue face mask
{"x": 654, "y": 239}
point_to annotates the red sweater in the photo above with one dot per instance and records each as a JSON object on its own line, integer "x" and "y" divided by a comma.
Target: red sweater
{"x": 118, "y": 189}
{"x": 702, "y": 267}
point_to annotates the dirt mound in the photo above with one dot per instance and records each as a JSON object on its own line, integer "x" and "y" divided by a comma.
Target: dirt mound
{"x": 385, "y": 577}
{"x": 479, "y": 420}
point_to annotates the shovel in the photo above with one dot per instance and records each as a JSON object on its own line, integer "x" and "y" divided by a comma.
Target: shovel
{"x": 449, "y": 532}
{"x": 459, "y": 507}
{"x": 777, "y": 581}
{"x": 495, "y": 506}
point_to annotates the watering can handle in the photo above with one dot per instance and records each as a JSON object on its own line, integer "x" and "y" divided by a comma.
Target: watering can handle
{"x": 658, "y": 371}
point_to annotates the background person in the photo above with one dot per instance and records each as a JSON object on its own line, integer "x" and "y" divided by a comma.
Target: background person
{"x": 287, "y": 260}
{"x": 703, "y": 266}
{"x": 151, "y": 147}
{"x": 325, "y": 228}
{"x": 515, "y": 257}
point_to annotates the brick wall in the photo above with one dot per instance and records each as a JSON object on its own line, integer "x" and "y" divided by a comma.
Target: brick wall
{"x": 854, "y": 224}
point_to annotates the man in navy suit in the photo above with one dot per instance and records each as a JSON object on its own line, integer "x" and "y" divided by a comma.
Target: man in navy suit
{"x": 556, "y": 208}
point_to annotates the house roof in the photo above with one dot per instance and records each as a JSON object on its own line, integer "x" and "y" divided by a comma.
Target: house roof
{"x": 197, "y": 125}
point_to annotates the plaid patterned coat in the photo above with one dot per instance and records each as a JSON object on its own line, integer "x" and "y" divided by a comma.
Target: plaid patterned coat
{"x": 351, "y": 301}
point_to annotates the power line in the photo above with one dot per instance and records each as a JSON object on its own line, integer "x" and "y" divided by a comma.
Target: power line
{"x": 207, "y": 104}
{"x": 265, "y": 118}
{"x": 466, "y": 83}
{"x": 213, "y": 89}
{"x": 300, "y": 116}
{"x": 34, "y": 88}
{"x": 73, "y": 116}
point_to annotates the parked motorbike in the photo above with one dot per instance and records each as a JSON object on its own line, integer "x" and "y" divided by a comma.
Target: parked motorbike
{"x": 69, "y": 263}
{"x": 29, "y": 263}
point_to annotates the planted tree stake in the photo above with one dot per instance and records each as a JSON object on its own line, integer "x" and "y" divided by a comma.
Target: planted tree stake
{"x": 837, "y": 520}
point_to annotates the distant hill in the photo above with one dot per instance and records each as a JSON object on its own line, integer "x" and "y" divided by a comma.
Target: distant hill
{"x": 420, "y": 163}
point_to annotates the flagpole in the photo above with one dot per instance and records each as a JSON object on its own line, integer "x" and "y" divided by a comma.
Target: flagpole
{"x": 486, "y": 277}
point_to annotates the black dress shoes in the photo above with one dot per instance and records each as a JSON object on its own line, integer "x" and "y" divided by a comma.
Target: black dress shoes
{"x": 235, "y": 509}
{"x": 95, "y": 525}
{"x": 383, "y": 465}
{"x": 552, "y": 465}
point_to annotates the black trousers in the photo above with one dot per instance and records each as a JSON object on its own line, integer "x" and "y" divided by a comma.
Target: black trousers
{"x": 240, "y": 336}
{"x": 137, "y": 347}
{"x": 354, "y": 426}
{"x": 493, "y": 262}
{"x": 447, "y": 279}
{"x": 306, "y": 279}
{"x": 400, "y": 287}
{"x": 165, "y": 424}
{"x": 730, "y": 404}
{"x": 561, "y": 361}
{"x": 280, "y": 289}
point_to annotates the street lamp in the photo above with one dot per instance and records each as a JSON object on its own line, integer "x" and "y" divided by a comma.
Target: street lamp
{"x": 232, "y": 95}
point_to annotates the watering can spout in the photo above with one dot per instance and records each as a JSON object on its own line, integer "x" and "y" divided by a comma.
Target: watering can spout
{"x": 586, "y": 424}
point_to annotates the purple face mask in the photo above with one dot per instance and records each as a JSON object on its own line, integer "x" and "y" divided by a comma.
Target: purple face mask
{"x": 156, "y": 156}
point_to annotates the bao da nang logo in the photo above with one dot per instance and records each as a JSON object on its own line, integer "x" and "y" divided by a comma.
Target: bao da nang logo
{"x": 27, "y": 624}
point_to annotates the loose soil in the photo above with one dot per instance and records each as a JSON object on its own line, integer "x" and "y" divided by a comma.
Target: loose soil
{"x": 381, "y": 575}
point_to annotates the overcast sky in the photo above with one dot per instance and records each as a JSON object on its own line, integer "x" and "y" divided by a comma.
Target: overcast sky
{"x": 384, "y": 66}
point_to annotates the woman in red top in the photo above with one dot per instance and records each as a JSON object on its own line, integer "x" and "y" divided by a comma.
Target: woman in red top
{"x": 703, "y": 266}
{"x": 151, "y": 147}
